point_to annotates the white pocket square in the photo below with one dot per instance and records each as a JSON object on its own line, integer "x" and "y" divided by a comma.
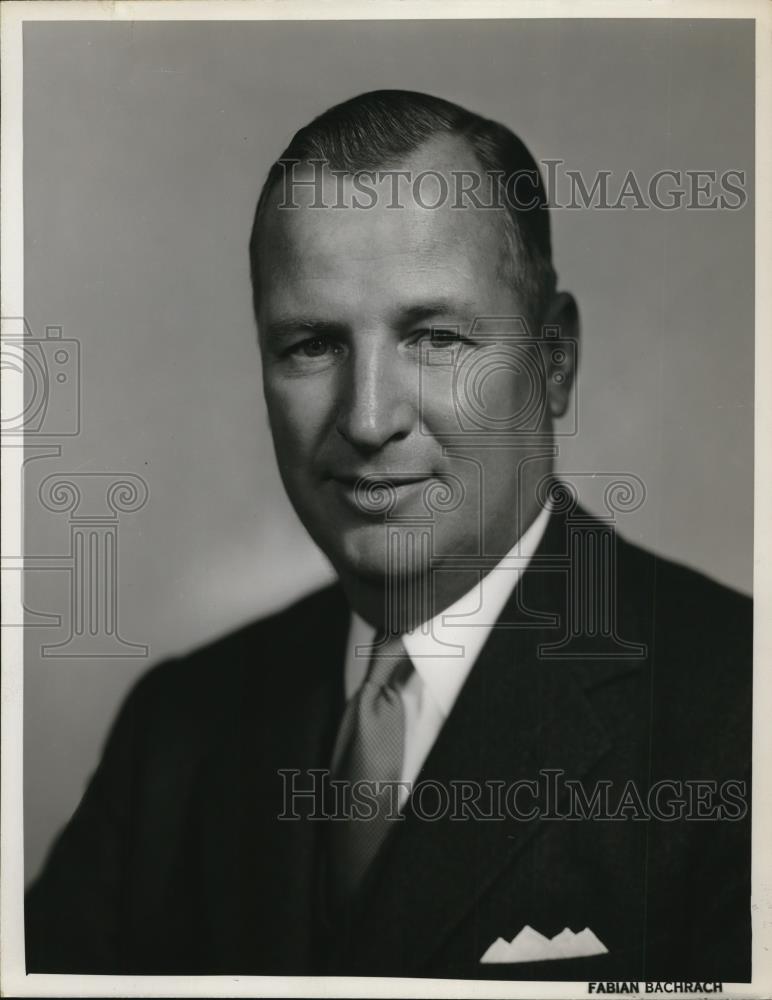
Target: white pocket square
{"x": 530, "y": 946}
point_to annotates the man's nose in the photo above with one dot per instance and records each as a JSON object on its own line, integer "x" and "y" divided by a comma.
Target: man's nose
{"x": 378, "y": 401}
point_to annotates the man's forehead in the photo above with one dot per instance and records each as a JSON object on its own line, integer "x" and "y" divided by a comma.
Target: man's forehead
{"x": 411, "y": 206}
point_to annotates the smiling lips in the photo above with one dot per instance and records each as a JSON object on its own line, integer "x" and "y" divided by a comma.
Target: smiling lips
{"x": 372, "y": 480}
{"x": 364, "y": 492}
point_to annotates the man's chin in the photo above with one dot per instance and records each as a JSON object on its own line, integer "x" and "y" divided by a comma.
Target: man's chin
{"x": 371, "y": 555}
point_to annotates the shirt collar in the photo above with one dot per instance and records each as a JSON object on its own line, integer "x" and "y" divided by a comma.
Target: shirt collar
{"x": 444, "y": 649}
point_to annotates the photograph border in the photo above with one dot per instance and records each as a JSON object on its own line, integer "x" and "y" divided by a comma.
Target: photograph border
{"x": 13, "y": 16}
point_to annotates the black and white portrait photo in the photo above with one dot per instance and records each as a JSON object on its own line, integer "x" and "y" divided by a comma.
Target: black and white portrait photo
{"x": 385, "y": 551}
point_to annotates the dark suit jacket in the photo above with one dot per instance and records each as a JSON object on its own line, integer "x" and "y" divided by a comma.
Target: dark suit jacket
{"x": 175, "y": 861}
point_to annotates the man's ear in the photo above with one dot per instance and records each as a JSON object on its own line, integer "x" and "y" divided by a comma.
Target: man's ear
{"x": 560, "y": 332}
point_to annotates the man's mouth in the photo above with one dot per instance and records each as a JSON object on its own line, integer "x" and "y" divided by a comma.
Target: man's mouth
{"x": 374, "y": 480}
{"x": 377, "y": 492}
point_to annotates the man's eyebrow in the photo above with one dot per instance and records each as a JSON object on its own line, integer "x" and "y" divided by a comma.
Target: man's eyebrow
{"x": 300, "y": 324}
{"x": 427, "y": 310}
{"x": 284, "y": 326}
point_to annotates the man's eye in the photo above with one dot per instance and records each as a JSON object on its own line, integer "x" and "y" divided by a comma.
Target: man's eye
{"x": 314, "y": 347}
{"x": 438, "y": 337}
{"x": 441, "y": 338}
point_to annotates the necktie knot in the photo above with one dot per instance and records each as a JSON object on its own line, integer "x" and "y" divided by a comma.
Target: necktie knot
{"x": 389, "y": 664}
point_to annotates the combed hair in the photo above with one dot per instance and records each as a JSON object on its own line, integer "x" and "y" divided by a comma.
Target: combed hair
{"x": 381, "y": 127}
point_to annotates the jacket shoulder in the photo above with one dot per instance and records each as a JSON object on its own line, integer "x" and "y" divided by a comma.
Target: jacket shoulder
{"x": 699, "y": 635}
{"x": 203, "y": 690}
{"x": 675, "y": 591}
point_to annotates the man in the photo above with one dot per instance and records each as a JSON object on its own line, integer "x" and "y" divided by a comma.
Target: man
{"x": 504, "y": 722}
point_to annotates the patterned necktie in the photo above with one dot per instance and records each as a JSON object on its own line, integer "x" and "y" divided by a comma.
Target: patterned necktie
{"x": 369, "y": 747}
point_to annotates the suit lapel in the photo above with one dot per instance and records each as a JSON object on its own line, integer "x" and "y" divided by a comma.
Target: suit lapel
{"x": 516, "y": 715}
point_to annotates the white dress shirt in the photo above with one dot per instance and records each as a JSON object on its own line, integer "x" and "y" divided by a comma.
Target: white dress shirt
{"x": 443, "y": 651}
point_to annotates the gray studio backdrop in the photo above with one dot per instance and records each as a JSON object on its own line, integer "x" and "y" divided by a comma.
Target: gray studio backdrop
{"x": 145, "y": 146}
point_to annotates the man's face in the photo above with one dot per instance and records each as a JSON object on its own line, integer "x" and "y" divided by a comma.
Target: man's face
{"x": 372, "y": 366}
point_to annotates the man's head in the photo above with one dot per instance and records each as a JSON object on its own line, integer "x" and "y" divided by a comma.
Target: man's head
{"x": 399, "y": 307}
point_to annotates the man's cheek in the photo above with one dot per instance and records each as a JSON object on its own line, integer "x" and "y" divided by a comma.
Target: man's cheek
{"x": 439, "y": 409}
{"x": 472, "y": 398}
{"x": 292, "y": 417}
